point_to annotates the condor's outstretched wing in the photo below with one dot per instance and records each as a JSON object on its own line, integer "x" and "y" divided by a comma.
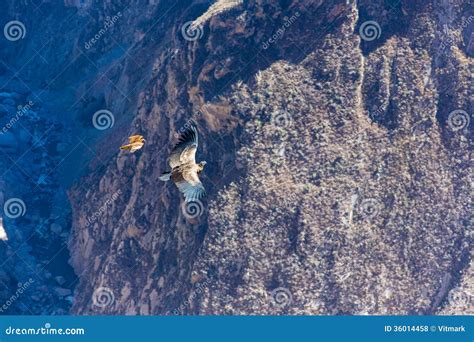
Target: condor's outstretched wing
{"x": 185, "y": 150}
{"x": 190, "y": 185}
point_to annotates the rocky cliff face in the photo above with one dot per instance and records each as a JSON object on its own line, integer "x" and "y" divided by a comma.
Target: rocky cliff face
{"x": 338, "y": 142}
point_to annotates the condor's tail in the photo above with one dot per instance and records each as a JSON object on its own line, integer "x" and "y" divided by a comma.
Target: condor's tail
{"x": 165, "y": 176}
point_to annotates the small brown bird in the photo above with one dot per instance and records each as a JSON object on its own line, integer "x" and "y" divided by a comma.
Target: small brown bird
{"x": 135, "y": 142}
{"x": 184, "y": 170}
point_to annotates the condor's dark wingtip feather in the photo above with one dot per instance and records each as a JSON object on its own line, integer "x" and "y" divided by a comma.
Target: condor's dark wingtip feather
{"x": 190, "y": 135}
